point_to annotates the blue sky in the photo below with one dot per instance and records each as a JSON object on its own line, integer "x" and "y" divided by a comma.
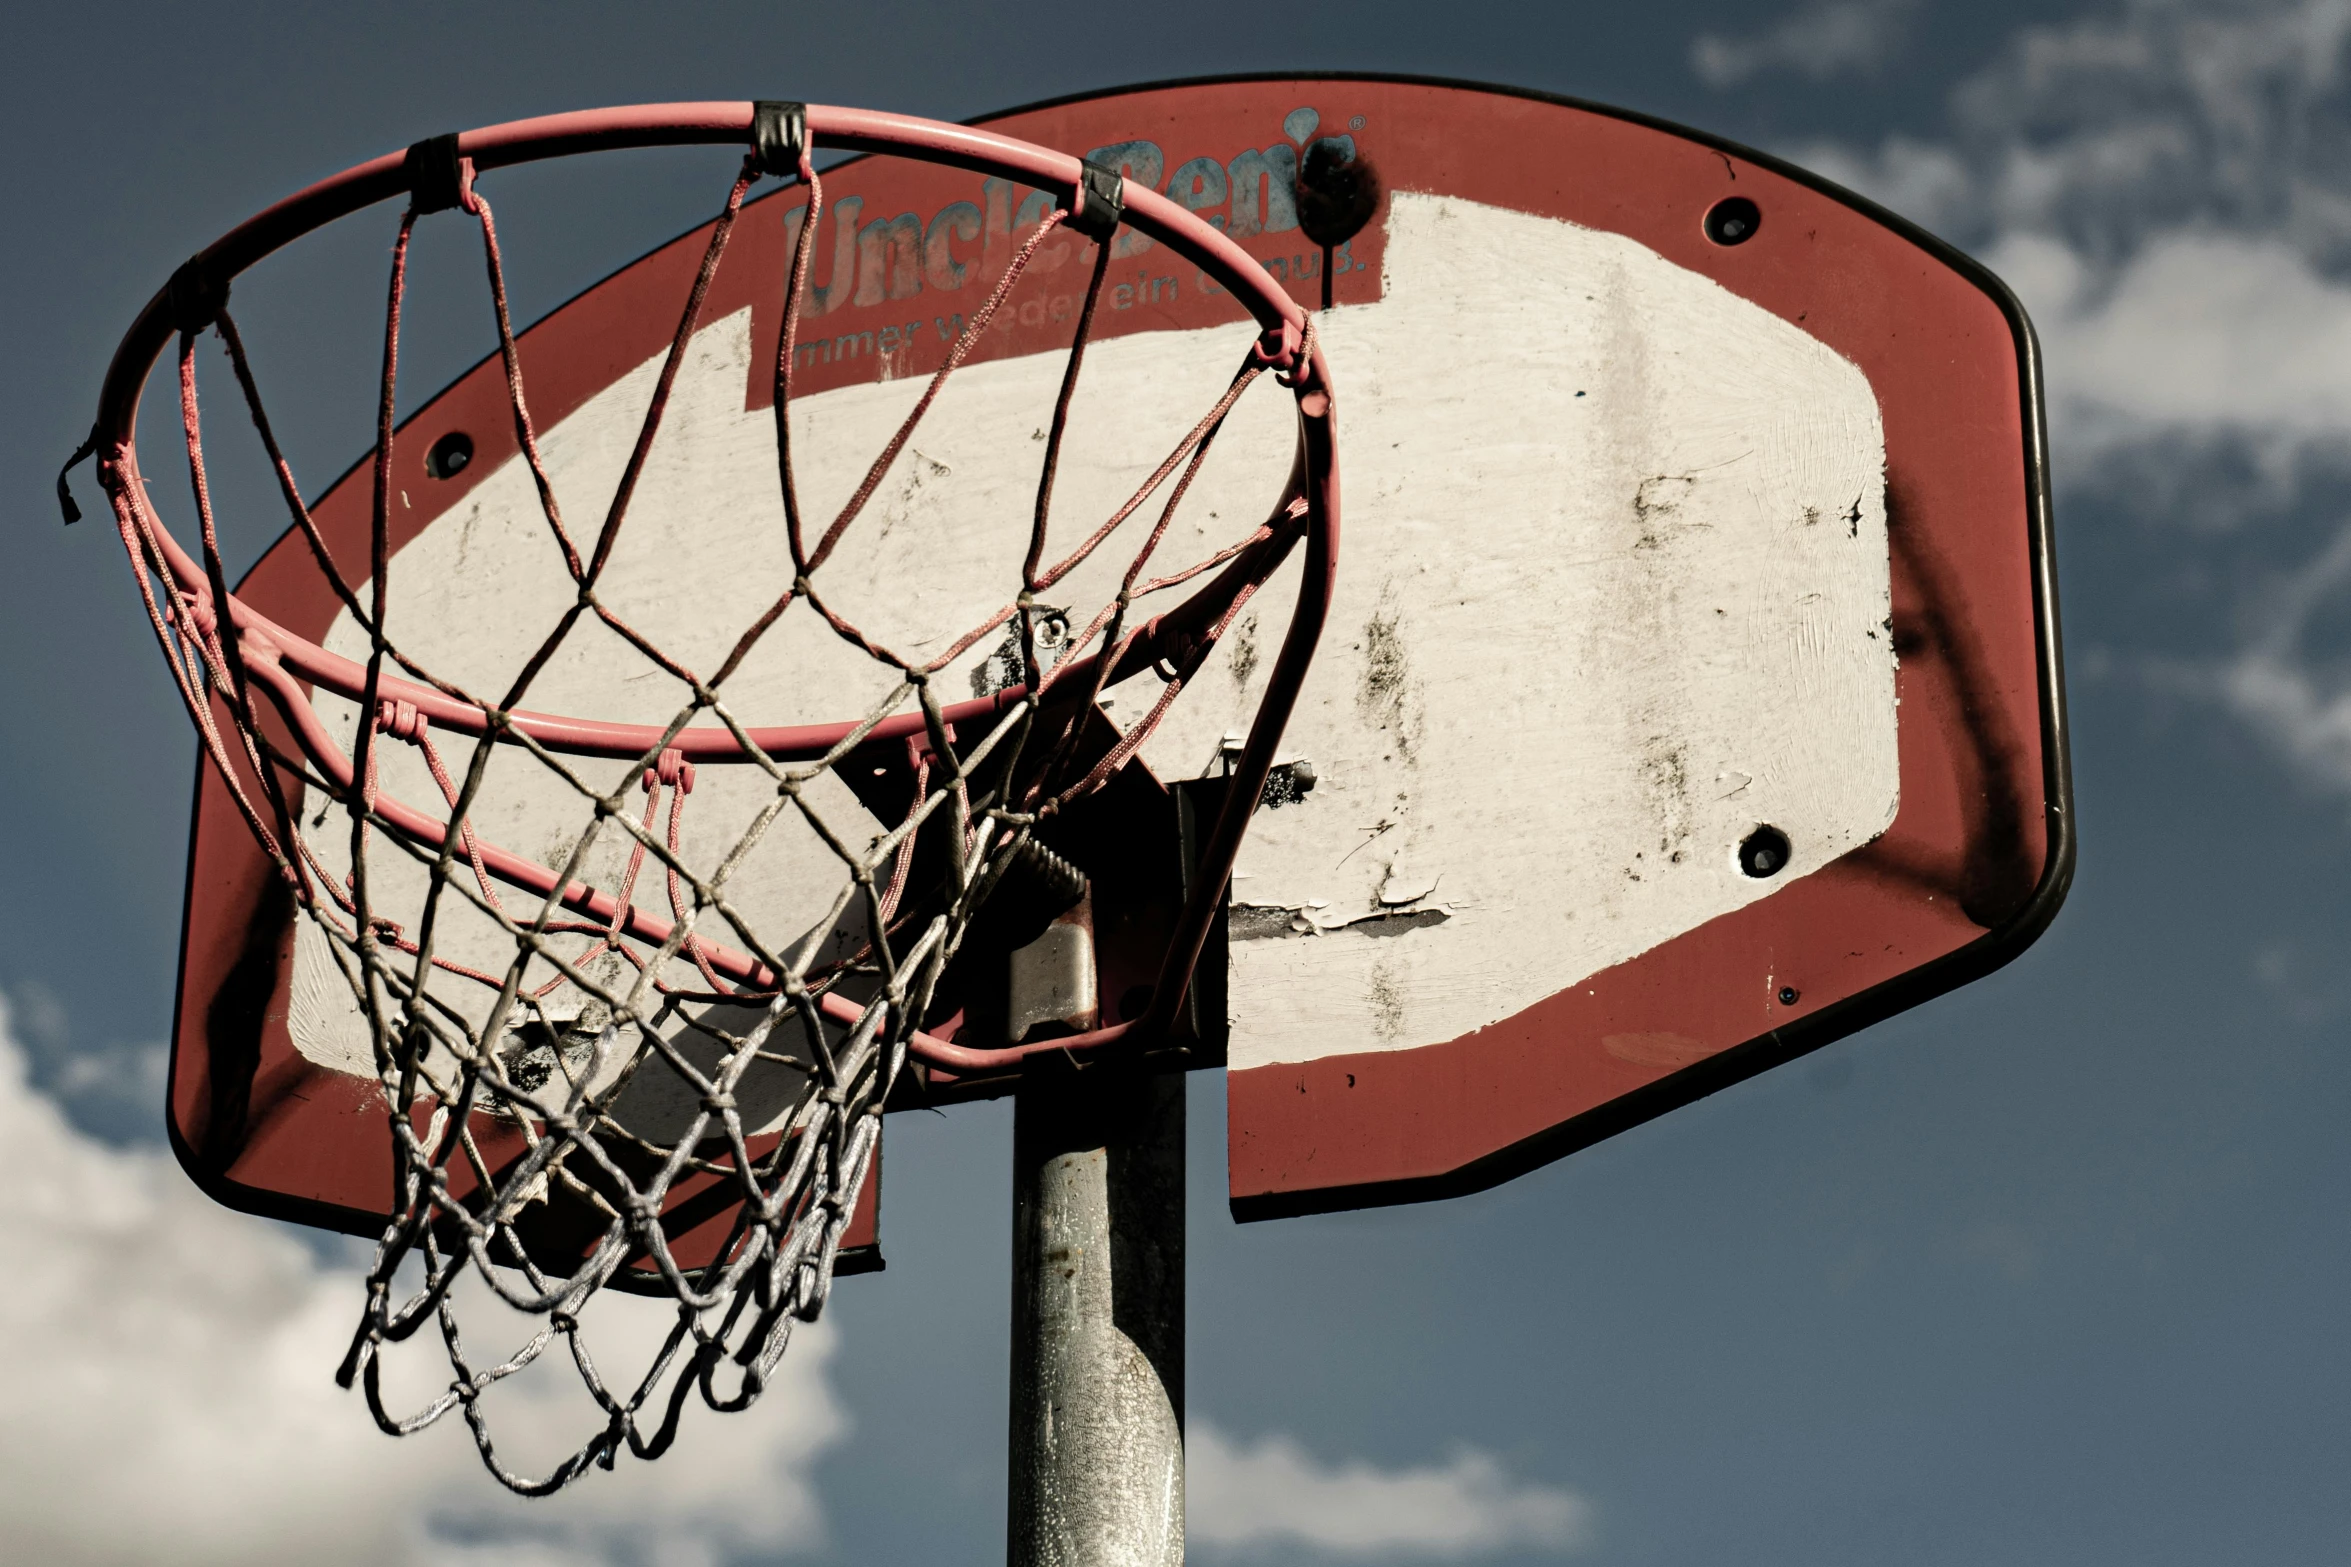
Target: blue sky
{"x": 2053, "y": 1270}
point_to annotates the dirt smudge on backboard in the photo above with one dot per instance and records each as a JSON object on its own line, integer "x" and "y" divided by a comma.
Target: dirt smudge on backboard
{"x": 1383, "y": 692}
{"x": 919, "y": 474}
{"x": 1665, "y": 769}
{"x": 1655, "y": 501}
{"x": 1386, "y": 996}
{"x": 1244, "y": 659}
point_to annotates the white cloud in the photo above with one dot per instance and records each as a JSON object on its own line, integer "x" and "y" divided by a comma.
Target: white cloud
{"x": 1271, "y": 1494}
{"x": 166, "y": 1394}
{"x": 2278, "y": 688}
{"x": 1926, "y": 183}
{"x": 2302, "y": 976}
{"x": 2285, "y": 701}
{"x": 2168, "y": 187}
{"x": 2168, "y": 114}
{"x": 1825, "y": 39}
{"x": 2197, "y": 332}
{"x": 2160, "y": 116}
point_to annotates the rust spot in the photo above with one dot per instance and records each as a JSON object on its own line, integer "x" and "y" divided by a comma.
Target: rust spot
{"x": 1656, "y": 1049}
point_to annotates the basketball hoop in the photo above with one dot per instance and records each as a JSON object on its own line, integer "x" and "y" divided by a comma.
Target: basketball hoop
{"x": 516, "y": 1072}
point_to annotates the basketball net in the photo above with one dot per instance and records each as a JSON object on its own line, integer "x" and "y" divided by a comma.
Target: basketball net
{"x": 512, "y": 1165}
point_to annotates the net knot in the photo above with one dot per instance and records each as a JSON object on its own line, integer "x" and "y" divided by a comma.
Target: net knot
{"x": 194, "y": 616}
{"x": 719, "y": 1104}
{"x": 401, "y": 720}
{"x": 1288, "y": 350}
{"x": 1281, "y": 349}
{"x": 1301, "y": 376}
{"x": 670, "y": 768}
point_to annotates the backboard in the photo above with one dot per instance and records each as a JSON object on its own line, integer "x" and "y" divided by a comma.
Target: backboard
{"x": 1690, "y": 691}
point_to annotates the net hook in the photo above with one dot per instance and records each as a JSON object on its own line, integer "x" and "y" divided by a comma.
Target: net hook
{"x": 196, "y": 296}
{"x": 439, "y": 176}
{"x": 670, "y": 768}
{"x": 1097, "y": 203}
{"x": 779, "y": 137}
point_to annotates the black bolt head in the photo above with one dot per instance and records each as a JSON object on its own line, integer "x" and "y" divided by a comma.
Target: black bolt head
{"x": 1336, "y": 195}
{"x": 450, "y": 455}
{"x": 1733, "y": 220}
{"x": 1764, "y": 853}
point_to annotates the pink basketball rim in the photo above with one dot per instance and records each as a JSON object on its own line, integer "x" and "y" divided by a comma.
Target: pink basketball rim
{"x": 280, "y": 663}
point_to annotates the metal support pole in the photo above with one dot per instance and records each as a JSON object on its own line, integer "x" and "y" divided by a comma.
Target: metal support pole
{"x": 1097, "y": 1450}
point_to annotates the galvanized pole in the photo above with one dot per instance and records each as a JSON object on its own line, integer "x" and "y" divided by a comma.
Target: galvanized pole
{"x": 1097, "y": 1450}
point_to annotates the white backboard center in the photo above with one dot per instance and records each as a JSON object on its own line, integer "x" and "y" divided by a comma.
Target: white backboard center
{"x": 1614, "y": 592}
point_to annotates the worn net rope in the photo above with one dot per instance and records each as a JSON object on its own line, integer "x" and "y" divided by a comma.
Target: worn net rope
{"x": 460, "y": 1206}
